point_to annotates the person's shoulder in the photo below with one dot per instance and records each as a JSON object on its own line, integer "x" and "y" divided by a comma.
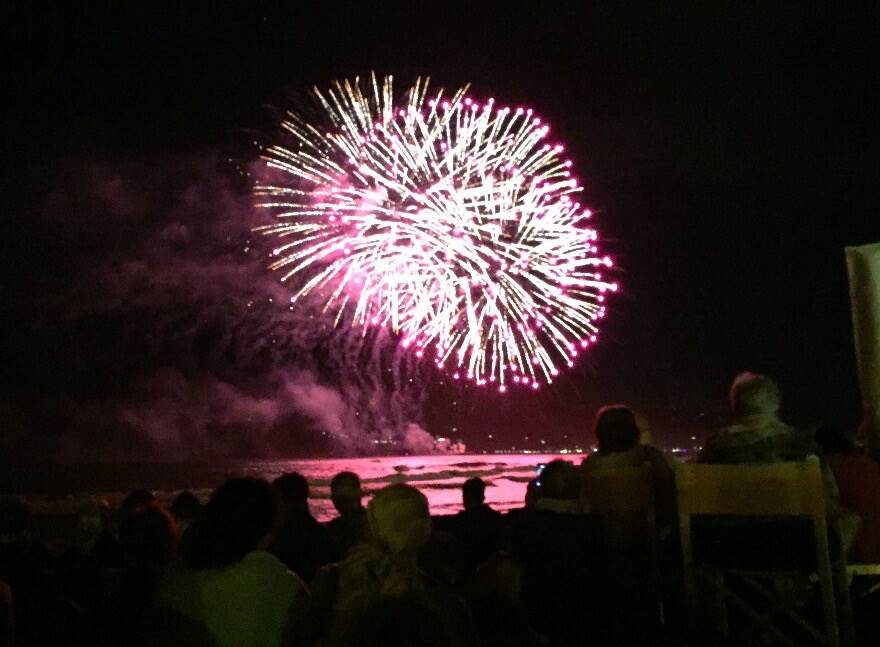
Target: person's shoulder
{"x": 662, "y": 463}
{"x": 491, "y": 512}
{"x": 269, "y": 566}
{"x": 593, "y": 461}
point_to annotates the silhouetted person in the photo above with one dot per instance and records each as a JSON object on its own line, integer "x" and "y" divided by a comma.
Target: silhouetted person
{"x": 242, "y": 594}
{"x": 533, "y": 494}
{"x": 302, "y": 543}
{"x": 636, "y": 543}
{"x": 126, "y": 615}
{"x": 148, "y": 538}
{"x": 473, "y": 495}
{"x": 134, "y": 501}
{"x": 757, "y": 435}
{"x": 42, "y": 615}
{"x": 349, "y": 528}
{"x": 478, "y": 528}
{"x": 560, "y": 551}
{"x": 186, "y": 508}
{"x": 619, "y": 445}
{"x": 89, "y": 565}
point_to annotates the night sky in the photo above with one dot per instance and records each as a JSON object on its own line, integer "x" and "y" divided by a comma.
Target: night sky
{"x": 729, "y": 154}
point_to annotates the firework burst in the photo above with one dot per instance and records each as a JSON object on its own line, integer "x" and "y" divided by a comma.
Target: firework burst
{"x": 452, "y": 222}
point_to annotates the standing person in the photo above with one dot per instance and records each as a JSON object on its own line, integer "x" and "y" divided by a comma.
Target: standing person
{"x": 302, "y": 543}
{"x": 562, "y": 562}
{"x": 478, "y": 528}
{"x": 349, "y": 528}
{"x": 244, "y": 595}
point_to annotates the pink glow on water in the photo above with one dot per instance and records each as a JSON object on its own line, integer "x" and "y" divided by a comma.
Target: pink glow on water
{"x": 438, "y": 477}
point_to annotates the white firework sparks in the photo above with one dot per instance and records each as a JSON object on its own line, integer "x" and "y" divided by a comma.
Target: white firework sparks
{"x": 450, "y": 221}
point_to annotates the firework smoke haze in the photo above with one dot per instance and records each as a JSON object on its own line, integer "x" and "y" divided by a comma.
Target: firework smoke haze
{"x": 179, "y": 344}
{"x": 450, "y": 222}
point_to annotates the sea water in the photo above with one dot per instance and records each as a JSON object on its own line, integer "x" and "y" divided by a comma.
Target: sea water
{"x": 62, "y": 489}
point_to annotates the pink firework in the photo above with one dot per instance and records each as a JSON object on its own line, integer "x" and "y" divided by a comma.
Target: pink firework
{"x": 451, "y": 221}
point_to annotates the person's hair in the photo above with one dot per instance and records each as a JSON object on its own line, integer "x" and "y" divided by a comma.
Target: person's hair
{"x": 347, "y": 482}
{"x": 186, "y": 506}
{"x": 832, "y": 440}
{"x": 240, "y": 513}
{"x": 292, "y": 489}
{"x": 560, "y": 480}
{"x": 399, "y": 518}
{"x": 752, "y": 394}
{"x": 148, "y": 537}
{"x": 616, "y": 429}
{"x": 474, "y": 490}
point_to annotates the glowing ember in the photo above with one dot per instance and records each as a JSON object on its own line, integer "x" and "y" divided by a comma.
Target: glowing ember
{"x": 448, "y": 220}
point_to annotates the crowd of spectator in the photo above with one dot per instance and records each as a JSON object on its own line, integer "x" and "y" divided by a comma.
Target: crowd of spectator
{"x": 252, "y": 566}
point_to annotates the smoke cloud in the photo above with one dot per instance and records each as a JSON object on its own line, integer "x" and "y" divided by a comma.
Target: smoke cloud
{"x": 153, "y": 331}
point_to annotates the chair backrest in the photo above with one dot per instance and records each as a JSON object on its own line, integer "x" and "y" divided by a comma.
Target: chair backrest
{"x": 619, "y": 488}
{"x": 779, "y": 489}
{"x": 752, "y": 490}
{"x": 623, "y": 497}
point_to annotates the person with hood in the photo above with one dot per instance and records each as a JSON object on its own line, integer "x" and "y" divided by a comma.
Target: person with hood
{"x": 385, "y": 571}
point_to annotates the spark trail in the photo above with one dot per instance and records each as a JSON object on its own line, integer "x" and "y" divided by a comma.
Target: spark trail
{"x": 452, "y": 222}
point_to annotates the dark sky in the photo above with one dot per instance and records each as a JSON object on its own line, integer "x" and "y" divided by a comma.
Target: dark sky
{"x": 730, "y": 155}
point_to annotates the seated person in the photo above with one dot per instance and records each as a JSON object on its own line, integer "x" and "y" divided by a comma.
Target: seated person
{"x": 858, "y": 479}
{"x": 42, "y": 615}
{"x": 349, "y": 528}
{"x": 618, "y": 435}
{"x": 386, "y": 568}
{"x": 186, "y": 509}
{"x": 758, "y": 436}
